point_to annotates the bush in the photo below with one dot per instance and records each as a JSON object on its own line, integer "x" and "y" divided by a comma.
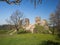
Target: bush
{"x": 40, "y": 29}
{"x": 23, "y": 31}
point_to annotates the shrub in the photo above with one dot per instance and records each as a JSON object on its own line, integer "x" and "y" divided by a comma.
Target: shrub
{"x": 40, "y": 29}
{"x": 21, "y": 31}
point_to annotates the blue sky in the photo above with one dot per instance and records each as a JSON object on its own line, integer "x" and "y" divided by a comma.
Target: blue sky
{"x": 43, "y": 10}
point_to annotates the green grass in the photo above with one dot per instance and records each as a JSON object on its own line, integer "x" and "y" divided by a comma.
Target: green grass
{"x": 25, "y": 39}
{"x": 3, "y": 31}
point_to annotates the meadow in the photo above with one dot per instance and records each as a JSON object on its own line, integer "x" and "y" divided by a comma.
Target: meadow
{"x": 26, "y": 39}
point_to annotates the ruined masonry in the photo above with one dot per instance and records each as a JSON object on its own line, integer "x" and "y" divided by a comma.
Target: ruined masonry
{"x": 38, "y": 21}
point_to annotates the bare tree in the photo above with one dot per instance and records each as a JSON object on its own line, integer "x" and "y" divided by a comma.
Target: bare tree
{"x": 16, "y": 19}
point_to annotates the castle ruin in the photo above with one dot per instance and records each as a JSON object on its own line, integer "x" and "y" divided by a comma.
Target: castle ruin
{"x": 38, "y": 21}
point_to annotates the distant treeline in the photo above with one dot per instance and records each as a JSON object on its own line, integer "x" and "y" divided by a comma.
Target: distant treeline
{"x": 6, "y": 27}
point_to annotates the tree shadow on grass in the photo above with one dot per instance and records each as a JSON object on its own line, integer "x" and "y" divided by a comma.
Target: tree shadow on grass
{"x": 49, "y": 43}
{"x": 58, "y": 37}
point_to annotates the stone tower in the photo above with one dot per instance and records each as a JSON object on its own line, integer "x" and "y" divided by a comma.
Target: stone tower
{"x": 27, "y": 22}
{"x": 37, "y": 20}
{"x": 44, "y": 22}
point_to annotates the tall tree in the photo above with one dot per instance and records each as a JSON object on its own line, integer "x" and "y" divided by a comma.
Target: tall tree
{"x": 52, "y": 22}
{"x": 16, "y": 19}
{"x": 55, "y": 19}
{"x": 57, "y": 16}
